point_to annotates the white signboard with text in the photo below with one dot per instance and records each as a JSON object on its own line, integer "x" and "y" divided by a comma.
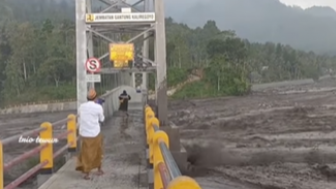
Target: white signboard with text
{"x": 120, "y": 17}
{"x": 93, "y": 78}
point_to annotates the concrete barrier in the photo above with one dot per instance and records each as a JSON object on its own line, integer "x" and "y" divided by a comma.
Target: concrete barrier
{"x": 111, "y": 97}
{"x": 281, "y": 84}
{"x": 52, "y": 107}
{"x": 263, "y": 86}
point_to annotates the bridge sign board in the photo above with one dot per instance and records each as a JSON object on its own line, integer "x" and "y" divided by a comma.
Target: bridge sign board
{"x": 120, "y": 17}
{"x": 93, "y": 78}
{"x": 93, "y": 65}
{"x": 121, "y": 54}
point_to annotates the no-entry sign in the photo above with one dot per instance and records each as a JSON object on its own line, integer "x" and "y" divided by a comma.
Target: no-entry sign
{"x": 93, "y": 65}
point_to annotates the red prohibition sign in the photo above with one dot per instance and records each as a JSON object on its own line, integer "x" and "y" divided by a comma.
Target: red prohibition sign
{"x": 93, "y": 65}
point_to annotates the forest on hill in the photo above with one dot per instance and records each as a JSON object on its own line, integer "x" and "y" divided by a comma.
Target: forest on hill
{"x": 37, "y": 54}
{"x": 263, "y": 20}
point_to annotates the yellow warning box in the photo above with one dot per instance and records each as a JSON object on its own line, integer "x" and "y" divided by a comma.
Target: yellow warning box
{"x": 121, "y": 54}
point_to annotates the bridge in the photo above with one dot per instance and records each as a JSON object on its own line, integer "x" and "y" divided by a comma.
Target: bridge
{"x": 143, "y": 151}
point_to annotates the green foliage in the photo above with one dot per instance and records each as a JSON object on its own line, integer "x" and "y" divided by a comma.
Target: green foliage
{"x": 198, "y": 89}
{"x": 46, "y": 93}
{"x": 151, "y": 81}
{"x": 175, "y": 76}
{"x": 37, "y": 54}
{"x": 313, "y": 28}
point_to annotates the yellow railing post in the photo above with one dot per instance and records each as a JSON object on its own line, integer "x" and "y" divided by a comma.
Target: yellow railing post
{"x": 153, "y": 121}
{"x": 1, "y": 167}
{"x": 150, "y": 115}
{"x": 72, "y": 137}
{"x": 147, "y": 109}
{"x": 158, "y": 137}
{"x": 183, "y": 182}
{"x": 46, "y": 154}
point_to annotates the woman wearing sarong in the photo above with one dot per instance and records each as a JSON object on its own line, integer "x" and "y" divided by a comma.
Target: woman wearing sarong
{"x": 91, "y": 151}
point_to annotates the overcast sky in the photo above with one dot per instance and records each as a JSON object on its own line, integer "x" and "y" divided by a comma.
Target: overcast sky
{"x": 301, "y": 3}
{"x": 310, "y": 3}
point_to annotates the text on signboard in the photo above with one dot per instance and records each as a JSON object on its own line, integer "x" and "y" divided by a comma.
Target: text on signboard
{"x": 125, "y": 17}
{"x": 122, "y": 52}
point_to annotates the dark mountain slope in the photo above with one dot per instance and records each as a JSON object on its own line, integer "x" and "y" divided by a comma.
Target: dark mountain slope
{"x": 264, "y": 20}
{"x": 257, "y": 20}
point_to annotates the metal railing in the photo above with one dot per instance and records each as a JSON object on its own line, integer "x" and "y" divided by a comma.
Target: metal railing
{"x": 167, "y": 175}
{"x": 46, "y": 141}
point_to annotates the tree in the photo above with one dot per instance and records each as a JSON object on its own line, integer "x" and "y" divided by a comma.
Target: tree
{"x": 228, "y": 68}
{"x": 54, "y": 69}
{"x": 37, "y": 54}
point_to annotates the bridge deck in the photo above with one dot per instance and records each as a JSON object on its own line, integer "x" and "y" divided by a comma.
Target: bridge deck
{"x": 124, "y": 158}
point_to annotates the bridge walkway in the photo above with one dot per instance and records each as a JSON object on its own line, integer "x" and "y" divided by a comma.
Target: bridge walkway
{"x": 139, "y": 154}
{"x": 124, "y": 158}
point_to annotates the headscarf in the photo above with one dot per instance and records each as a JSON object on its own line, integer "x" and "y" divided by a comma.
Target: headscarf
{"x": 92, "y": 94}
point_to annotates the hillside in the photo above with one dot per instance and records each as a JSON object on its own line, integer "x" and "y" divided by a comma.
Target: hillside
{"x": 263, "y": 20}
{"x": 258, "y": 20}
{"x": 37, "y": 55}
{"x": 322, "y": 12}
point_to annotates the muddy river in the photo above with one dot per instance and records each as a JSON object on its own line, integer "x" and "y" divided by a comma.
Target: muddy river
{"x": 280, "y": 138}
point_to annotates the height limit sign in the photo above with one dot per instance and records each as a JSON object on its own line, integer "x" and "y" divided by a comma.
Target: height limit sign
{"x": 93, "y": 65}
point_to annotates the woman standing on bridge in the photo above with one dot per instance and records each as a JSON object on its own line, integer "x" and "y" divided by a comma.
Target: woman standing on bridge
{"x": 91, "y": 151}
